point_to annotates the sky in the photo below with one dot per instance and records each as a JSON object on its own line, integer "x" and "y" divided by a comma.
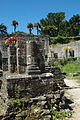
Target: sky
{"x": 25, "y": 11}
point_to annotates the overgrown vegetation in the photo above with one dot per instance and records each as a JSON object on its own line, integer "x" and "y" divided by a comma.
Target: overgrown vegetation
{"x": 57, "y": 62}
{"x": 66, "y": 65}
{"x": 59, "y": 115}
{"x": 63, "y": 40}
{"x": 30, "y": 115}
{"x": 16, "y": 101}
{"x": 71, "y": 67}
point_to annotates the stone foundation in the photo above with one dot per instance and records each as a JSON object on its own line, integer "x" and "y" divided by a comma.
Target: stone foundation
{"x": 38, "y": 90}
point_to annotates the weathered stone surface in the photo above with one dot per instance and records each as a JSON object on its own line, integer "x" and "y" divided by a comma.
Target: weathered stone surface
{"x": 62, "y": 104}
{"x": 74, "y": 46}
{"x": 42, "y": 45}
{"x": 42, "y": 103}
{"x": 22, "y": 114}
{"x": 47, "y": 117}
{"x": 46, "y": 111}
{"x": 50, "y": 96}
{"x": 39, "y": 98}
{"x": 40, "y": 88}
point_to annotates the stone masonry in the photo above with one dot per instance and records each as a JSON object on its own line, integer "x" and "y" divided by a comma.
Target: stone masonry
{"x": 43, "y": 40}
{"x": 61, "y": 51}
{"x": 25, "y": 68}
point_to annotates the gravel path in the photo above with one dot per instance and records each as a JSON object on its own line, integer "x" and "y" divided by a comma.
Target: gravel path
{"x": 74, "y": 94}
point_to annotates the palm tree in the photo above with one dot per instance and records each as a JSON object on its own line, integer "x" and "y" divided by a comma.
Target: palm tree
{"x": 3, "y": 29}
{"x": 14, "y": 23}
{"x": 37, "y": 25}
{"x": 30, "y": 27}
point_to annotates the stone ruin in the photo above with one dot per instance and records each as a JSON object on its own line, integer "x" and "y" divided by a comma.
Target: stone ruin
{"x": 24, "y": 67}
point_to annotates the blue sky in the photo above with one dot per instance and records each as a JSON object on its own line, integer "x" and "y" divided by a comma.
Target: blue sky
{"x": 25, "y": 11}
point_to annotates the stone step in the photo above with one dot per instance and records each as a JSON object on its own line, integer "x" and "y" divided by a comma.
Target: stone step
{"x": 32, "y": 72}
{"x": 33, "y": 68}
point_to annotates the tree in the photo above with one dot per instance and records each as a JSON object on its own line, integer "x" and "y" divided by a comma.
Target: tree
{"x": 72, "y": 30}
{"x": 44, "y": 22}
{"x": 30, "y": 27}
{"x": 14, "y": 23}
{"x": 75, "y": 19}
{"x": 49, "y": 30}
{"x": 37, "y": 25}
{"x": 56, "y": 18}
{"x": 74, "y": 25}
{"x": 63, "y": 28}
{"x": 3, "y": 29}
{"x": 53, "y": 19}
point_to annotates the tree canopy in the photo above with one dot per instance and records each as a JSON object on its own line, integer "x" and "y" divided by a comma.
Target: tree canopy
{"x": 49, "y": 30}
{"x": 3, "y": 29}
{"x": 63, "y": 27}
{"x": 53, "y": 19}
{"x": 30, "y": 27}
{"x": 37, "y": 25}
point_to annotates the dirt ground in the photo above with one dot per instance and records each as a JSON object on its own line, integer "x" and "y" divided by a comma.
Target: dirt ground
{"x": 73, "y": 93}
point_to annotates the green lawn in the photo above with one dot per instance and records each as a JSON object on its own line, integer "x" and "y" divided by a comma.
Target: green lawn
{"x": 72, "y": 67}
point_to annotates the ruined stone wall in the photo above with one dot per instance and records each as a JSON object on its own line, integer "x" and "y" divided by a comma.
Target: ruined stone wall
{"x": 33, "y": 88}
{"x": 41, "y": 56}
{"x": 42, "y": 43}
{"x": 30, "y": 86}
{"x": 17, "y": 58}
{"x": 4, "y": 49}
{"x": 21, "y": 56}
{"x": 12, "y": 58}
{"x": 57, "y": 75}
{"x": 26, "y": 70}
{"x": 59, "y": 49}
{"x": 32, "y": 56}
{"x": 34, "y": 85}
{"x": 42, "y": 38}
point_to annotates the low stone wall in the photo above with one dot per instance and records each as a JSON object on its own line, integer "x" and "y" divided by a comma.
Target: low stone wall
{"x": 30, "y": 86}
{"x": 33, "y": 85}
{"x": 39, "y": 90}
{"x": 57, "y": 75}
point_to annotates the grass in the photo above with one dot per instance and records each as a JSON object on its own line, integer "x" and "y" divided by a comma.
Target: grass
{"x": 72, "y": 67}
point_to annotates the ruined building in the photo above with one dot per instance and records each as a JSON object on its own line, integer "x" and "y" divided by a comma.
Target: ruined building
{"x": 68, "y": 50}
{"x": 23, "y": 63}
